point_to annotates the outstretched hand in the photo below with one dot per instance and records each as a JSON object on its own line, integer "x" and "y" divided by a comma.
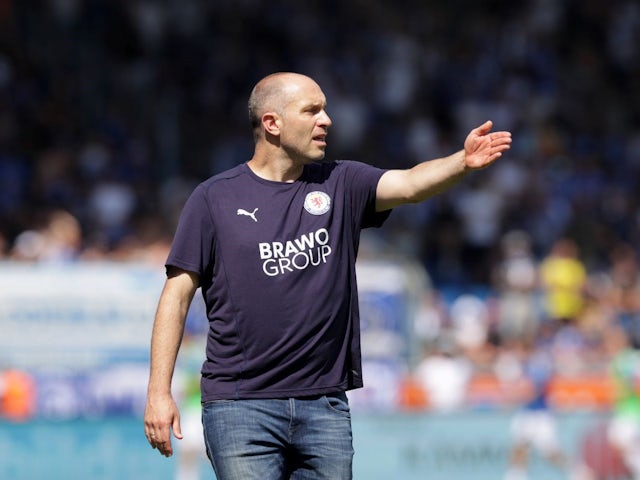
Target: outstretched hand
{"x": 482, "y": 147}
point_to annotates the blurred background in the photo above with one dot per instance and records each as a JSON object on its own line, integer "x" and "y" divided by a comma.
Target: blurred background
{"x": 517, "y": 292}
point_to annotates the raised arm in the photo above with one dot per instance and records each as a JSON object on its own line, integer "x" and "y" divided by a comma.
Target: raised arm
{"x": 161, "y": 413}
{"x": 481, "y": 148}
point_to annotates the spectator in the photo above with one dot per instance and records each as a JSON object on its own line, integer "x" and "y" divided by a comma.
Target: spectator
{"x": 444, "y": 374}
{"x": 516, "y": 284}
{"x": 17, "y": 395}
{"x": 563, "y": 277}
{"x": 533, "y": 427}
{"x": 623, "y": 290}
{"x": 59, "y": 240}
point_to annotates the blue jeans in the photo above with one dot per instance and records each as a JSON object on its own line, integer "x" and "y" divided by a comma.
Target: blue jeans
{"x": 277, "y": 439}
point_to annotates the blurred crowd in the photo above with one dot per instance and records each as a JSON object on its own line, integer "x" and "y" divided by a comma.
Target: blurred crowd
{"x": 112, "y": 110}
{"x": 552, "y": 308}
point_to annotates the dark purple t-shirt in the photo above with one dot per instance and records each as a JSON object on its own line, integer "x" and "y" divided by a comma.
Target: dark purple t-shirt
{"x": 277, "y": 270}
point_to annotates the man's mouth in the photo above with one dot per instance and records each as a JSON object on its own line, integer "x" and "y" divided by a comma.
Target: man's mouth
{"x": 320, "y": 139}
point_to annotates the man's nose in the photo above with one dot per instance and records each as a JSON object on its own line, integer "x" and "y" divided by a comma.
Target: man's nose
{"x": 325, "y": 120}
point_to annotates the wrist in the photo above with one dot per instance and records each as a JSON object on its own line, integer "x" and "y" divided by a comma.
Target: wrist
{"x": 464, "y": 167}
{"x": 154, "y": 390}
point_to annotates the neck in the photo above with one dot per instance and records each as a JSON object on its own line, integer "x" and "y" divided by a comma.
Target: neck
{"x": 275, "y": 169}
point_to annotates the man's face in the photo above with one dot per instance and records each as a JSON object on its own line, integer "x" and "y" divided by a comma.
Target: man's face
{"x": 305, "y": 122}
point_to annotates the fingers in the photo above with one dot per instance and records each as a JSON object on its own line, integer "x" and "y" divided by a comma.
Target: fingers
{"x": 497, "y": 147}
{"x": 161, "y": 442}
{"x": 500, "y": 140}
{"x": 160, "y": 439}
{"x": 151, "y": 438}
{"x": 500, "y": 136}
{"x": 486, "y": 127}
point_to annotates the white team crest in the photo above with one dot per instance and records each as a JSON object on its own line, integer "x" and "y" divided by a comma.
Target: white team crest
{"x": 317, "y": 203}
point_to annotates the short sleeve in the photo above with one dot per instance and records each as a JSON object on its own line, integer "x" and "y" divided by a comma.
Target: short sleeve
{"x": 362, "y": 183}
{"x": 193, "y": 242}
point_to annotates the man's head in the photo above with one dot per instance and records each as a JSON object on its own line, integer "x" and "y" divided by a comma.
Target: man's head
{"x": 287, "y": 110}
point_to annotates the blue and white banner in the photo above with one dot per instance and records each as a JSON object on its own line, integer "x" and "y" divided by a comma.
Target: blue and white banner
{"x": 76, "y": 315}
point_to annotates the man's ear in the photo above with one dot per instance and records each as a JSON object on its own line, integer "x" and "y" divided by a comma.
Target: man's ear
{"x": 272, "y": 123}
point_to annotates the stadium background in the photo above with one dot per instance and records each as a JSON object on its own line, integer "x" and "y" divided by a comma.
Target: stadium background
{"x": 111, "y": 111}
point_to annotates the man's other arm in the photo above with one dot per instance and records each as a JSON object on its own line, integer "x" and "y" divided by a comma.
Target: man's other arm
{"x": 481, "y": 148}
{"x": 161, "y": 413}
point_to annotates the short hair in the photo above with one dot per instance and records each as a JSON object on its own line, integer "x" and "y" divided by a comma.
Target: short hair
{"x": 268, "y": 94}
{"x": 256, "y": 106}
{"x": 261, "y": 100}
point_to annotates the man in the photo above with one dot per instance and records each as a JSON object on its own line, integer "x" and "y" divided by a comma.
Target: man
{"x": 273, "y": 243}
{"x": 534, "y": 425}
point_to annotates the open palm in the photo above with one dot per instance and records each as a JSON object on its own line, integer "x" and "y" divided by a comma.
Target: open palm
{"x": 482, "y": 147}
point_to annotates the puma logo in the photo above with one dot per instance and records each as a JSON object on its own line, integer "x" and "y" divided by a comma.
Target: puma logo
{"x": 242, "y": 211}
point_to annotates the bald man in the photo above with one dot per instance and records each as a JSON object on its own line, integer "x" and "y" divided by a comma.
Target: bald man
{"x": 273, "y": 244}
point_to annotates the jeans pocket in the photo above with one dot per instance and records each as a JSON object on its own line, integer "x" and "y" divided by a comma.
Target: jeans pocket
{"x": 338, "y": 403}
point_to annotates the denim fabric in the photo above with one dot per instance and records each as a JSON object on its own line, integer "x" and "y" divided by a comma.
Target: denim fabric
{"x": 293, "y": 438}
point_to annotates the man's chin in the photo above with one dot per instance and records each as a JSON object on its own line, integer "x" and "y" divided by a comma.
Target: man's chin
{"x": 317, "y": 158}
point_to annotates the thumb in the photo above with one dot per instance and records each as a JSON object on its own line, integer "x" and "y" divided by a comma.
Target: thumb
{"x": 177, "y": 432}
{"x": 484, "y": 128}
